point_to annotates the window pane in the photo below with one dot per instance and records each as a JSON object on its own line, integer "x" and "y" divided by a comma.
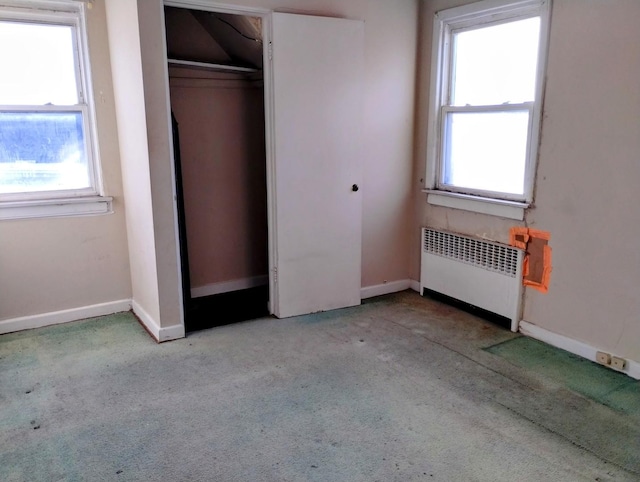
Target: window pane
{"x": 42, "y": 152}
{"x": 38, "y": 64}
{"x": 486, "y": 151}
{"x": 497, "y": 64}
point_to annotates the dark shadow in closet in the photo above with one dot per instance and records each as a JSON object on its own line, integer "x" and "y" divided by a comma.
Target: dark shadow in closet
{"x": 182, "y": 225}
{"x": 226, "y": 308}
{"x": 215, "y": 310}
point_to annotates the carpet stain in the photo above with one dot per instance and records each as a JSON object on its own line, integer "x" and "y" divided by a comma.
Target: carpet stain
{"x": 601, "y": 384}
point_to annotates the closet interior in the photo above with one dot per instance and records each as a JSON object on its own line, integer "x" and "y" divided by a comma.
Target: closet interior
{"x": 217, "y": 103}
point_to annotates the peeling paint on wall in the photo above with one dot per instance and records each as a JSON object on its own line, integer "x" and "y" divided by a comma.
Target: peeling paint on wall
{"x": 537, "y": 262}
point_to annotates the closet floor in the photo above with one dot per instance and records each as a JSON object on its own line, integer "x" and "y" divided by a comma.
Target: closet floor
{"x": 226, "y": 308}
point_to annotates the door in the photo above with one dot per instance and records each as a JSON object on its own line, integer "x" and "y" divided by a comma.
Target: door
{"x": 317, "y": 70}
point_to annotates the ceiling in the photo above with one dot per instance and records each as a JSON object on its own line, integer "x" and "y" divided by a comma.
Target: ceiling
{"x": 214, "y": 37}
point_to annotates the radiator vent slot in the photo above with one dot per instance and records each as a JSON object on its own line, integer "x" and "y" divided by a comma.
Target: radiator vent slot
{"x": 483, "y": 254}
{"x": 484, "y": 274}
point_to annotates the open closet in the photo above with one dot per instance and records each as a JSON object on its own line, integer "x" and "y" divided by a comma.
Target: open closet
{"x": 215, "y": 66}
{"x": 268, "y": 157}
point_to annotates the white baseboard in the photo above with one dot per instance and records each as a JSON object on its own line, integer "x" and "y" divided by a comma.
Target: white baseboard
{"x": 573, "y": 346}
{"x": 415, "y": 285}
{"x": 173, "y": 332}
{"x": 146, "y": 319}
{"x": 227, "y": 286}
{"x": 384, "y": 289}
{"x": 161, "y": 334}
{"x": 64, "y": 316}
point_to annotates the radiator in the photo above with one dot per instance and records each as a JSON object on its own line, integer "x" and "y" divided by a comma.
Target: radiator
{"x": 484, "y": 274}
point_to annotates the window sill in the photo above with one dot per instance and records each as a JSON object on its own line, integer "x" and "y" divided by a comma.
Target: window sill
{"x": 476, "y": 204}
{"x": 49, "y": 208}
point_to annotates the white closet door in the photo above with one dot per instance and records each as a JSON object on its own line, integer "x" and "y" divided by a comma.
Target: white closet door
{"x": 318, "y": 67}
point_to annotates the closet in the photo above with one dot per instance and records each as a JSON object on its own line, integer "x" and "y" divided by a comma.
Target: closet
{"x": 216, "y": 88}
{"x": 269, "y": 223}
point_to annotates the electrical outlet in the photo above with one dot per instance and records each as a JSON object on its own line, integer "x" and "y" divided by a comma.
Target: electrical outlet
{"x": 603, "y": 358}
{"x": 618, "y": 363}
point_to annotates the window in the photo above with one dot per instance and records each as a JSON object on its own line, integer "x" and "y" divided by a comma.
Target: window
{"x": 47, "y": 146}
{"x": 488, "y": 62}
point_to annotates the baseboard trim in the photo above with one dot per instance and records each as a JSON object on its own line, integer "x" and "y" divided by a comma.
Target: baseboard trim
{"x": 415, "y": 285}
{"x": 384, "y": 289}
{"x": 227, "y": 286}
{"x": 573, "y": 346}
{"x": 160, "y": 334}
{"x": 63, "y": 316}
{"x": 173, "y": 332}
{"x": 147, "y": 320}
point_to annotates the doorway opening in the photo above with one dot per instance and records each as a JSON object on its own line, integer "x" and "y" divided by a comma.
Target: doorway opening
{"x": 216, "y": 86}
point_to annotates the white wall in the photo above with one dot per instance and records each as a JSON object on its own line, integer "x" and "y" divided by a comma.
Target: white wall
{"x": 158, "y": 123}
{"x": 124, "y": 43}
{"x": 223, "y": 157}
{"x": 587, "y": 192}
{"x": 389, "y": 99}
{"x": 586, "y": 187}
{"x": 55, "y": 264}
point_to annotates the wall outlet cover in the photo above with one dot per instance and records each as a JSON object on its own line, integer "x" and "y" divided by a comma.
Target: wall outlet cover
{"x": 618, "y": 363}
{"x": 603, "y": 358}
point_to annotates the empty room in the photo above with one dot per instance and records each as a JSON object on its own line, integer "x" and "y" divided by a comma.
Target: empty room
{"x": 289, "y": 240}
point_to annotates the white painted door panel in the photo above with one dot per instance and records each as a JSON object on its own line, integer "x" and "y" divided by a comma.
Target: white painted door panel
{"x": 318, "y": 67}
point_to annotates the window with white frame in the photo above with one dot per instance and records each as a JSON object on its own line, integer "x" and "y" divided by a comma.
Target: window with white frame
{"x": 487, "y": 72}
{"x": 46, "y": 125}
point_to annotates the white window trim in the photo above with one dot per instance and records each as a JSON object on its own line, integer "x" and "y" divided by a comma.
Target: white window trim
{"x": 477, "y": 204}
{"x": 483, "y": 12}
{"x": 62, "y": 207}
{"x": 78, "y": 202}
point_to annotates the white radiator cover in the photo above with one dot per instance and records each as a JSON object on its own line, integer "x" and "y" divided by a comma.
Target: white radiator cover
{"x": 485, "y": 274}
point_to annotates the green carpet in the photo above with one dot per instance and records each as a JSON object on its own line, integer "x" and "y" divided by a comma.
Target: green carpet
{"x": 395, "y": 390}
{"x": 601, "y": 384}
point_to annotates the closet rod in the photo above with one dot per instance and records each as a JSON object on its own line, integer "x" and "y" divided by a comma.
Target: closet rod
{"x": 209, "y": 66}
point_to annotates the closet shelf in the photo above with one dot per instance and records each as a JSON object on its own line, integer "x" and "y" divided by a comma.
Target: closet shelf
{"x": 209, "y": 66}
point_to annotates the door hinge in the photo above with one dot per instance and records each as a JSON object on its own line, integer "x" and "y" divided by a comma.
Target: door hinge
{"x": 270, "y": 50}
{"x": 275, "y": 275}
